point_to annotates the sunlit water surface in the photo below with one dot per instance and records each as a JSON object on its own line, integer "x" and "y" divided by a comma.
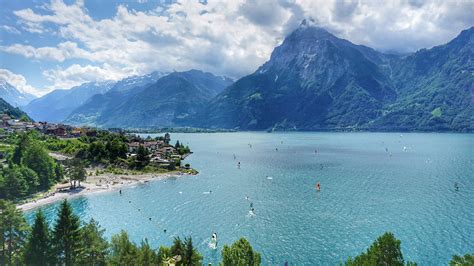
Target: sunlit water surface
{"x": 370, "y": 183}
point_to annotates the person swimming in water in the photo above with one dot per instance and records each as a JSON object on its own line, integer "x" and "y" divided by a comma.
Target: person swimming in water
{"x": 318, "y": 186}
{"x": 238, "y": 165}
{"x": 456, "y": 187}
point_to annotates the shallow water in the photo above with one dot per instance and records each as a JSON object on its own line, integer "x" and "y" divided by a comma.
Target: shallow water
{"x": 365, "y": 191}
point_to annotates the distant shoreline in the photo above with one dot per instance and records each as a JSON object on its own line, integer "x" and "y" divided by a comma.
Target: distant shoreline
{"x": 95, "y": 184}
{"x": 210, "y": 131}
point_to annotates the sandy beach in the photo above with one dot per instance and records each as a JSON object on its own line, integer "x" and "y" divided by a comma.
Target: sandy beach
{"x": 93, "y": 184}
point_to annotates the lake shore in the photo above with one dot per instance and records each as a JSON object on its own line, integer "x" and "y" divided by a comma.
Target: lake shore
{"x": 94, "y": 184}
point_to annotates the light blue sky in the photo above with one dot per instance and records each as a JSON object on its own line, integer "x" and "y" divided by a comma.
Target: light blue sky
{"x": 46, "y": 45}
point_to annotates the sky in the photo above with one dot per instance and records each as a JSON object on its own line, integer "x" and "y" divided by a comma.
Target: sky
{"x": 58, "y": 44}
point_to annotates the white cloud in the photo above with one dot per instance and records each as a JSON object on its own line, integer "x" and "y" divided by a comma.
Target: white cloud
{"x": 75, "y": 75}
{"x": 18, "y": 81}
{"x": 402, "y": 26}
{"x": 10, "y": 29}
{"x": 64, "y": 50}
{"x": 225, "y": 37}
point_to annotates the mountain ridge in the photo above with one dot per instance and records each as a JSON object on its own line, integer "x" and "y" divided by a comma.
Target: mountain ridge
{"x": 14, "y": 96}
{"x": 57, "y": 105}
{"x": 316, "y": 81}
{"x": 153, "y": 103}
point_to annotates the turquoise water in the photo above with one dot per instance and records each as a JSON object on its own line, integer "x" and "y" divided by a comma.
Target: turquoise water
{"x": 365, "y": 191}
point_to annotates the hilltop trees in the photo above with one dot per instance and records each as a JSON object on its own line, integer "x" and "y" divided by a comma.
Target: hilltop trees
{"x": 240, "y": 253}
{"x": 385, "y": 250}
{"x": 466, "y": 260}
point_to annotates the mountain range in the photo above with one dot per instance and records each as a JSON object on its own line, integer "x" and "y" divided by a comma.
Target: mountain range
{"x": 166, "y": 100}
{"x": 58, "y": 104}
{"x": 316, "y": 81}
{"x": 312, "y": 81}
{"x": 14, "y": 96}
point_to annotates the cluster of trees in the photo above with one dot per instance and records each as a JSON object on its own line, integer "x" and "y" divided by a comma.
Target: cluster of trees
{"x": 66, "y": 146}
{"x": 29, "y": 169}
{"x": 386, "y": 250}
{"x": 181, "y": 148}
{"x": 105, "y": 148}
{"x": 71, "y": 242}
{"x": 141, "y": 159}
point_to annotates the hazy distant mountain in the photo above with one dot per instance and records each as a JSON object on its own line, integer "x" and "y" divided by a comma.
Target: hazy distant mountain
{"x": 316, "y": 81}
{"x": 14, "y": 112}
{"x": 58, "y": 104}
{"x": 169, "y": 101}
{"x": 13, "y": 96}
{"x": 92, "y": 110}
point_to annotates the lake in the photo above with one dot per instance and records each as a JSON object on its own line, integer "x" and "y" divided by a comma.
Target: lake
{"x": 370, "y": 183}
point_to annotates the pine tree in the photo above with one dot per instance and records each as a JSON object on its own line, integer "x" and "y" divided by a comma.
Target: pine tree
{"x": 13, "y": 231}
{"x": 122, "y": 251}
{"x": 15, "y": 184}
{"x": 191, "y": 255}
{"x": 147, "y": 255}
{"x": 66, "y": 235}
{"x": 38, "y": 248}
{"x": 93, "y": 249}
{"x": 178, "y": 247}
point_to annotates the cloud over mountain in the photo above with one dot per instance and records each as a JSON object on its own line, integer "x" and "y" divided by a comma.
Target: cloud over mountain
{"x": 224, "y": 37}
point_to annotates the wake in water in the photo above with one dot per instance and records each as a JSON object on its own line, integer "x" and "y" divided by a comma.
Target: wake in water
{"x": 213, "y": 243}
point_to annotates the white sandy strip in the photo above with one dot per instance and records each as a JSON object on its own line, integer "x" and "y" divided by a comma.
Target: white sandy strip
{"x": 95, "y": 184}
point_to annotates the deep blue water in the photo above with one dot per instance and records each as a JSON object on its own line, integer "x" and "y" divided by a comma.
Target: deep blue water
{"x": 365, "y": 191}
